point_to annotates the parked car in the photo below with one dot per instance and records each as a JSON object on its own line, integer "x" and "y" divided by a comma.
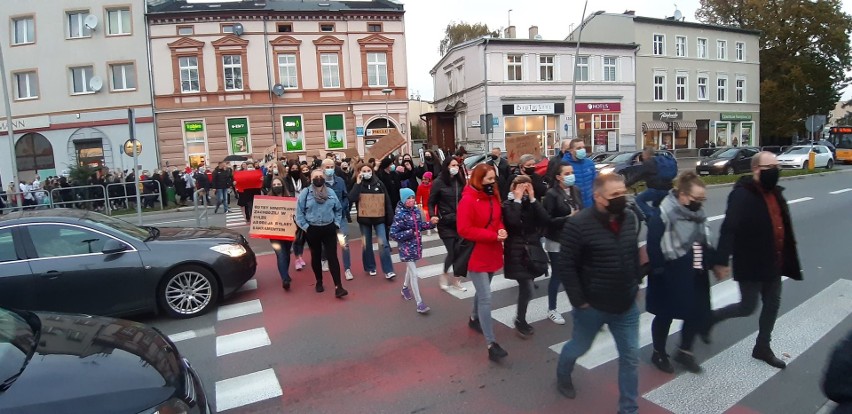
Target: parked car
{"x": 798, "y": 157}
{"x": 823, "y": 142}
{"x": 78, "y": 261}
{"x": 601, "y": 156}
{"x": 734, "y": 160}
{"x": 66, "y": 363}
{"x": 620, "y": 162}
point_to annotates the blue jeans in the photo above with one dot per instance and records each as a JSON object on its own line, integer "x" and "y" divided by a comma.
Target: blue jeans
{"x": 282, "y": 253}
{"x": 625, "y": 332}
{"x": 552, "y": 285}
{"x": 653, "y": 196}
{"x": 482, "y": 303}
{"x": 222, "y": 198}
{"x": 367, "y": 250}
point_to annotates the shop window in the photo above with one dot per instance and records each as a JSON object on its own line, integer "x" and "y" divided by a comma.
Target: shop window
{"x": 195, "y": 140}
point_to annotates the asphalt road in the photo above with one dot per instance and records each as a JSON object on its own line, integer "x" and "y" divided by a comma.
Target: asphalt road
{"x": 266, "y": 350}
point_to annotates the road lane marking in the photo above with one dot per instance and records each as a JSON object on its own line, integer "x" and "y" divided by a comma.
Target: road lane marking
{"x": 241, "y": 341}
{"x": 716, "y": 218}
{"x": 845, "y": 190}
{"x": 250, "y": 285}
{"x": 237, "y": 310}
{"x": 246, "y": 389}
{"x": 183, "y": 336}
{"x": 732, "y": 374}
{"x": 799, "y": 200}
{"x": 160, "y": 223}
{"x": 536, "y": 310}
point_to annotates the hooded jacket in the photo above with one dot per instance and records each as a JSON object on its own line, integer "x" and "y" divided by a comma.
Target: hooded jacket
{"x": 474, "y": 211}
{"x": 585, "y": 173}
{"x": 408, "y": 223}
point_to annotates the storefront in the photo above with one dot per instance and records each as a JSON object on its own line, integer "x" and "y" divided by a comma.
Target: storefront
{"x": 195, "y": 142}
{"x": 669, "y": 130}
{"x": 599, "y": 124}
{"x": 541, "y": 119}
{"x": 734, "y": 129}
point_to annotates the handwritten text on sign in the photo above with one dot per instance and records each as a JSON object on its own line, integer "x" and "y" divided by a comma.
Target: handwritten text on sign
{"x": 273, "y": 218}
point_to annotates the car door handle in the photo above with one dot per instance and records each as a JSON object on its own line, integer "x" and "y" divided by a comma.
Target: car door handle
{"x": 53, "y": 274}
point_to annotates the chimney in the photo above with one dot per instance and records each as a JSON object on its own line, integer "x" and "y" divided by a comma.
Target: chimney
{"x": 510, "y": 32}
{"x": 533, "y": 32}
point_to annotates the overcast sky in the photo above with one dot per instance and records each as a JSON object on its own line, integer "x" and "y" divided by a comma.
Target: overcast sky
{"x": 425, "y": 21}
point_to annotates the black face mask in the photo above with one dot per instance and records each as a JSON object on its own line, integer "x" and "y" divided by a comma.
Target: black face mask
{"x": 428, "y": 158}
{"x": 488, "y": 189}
{"x": 694, "y": 206}
{"x": 318, "y": 181}
{"x": 294, "y": 174}
{"x": 769, "y": 178}
{"x": 493, "y": 157}
{"x": 617, "y": 205}
{"x": 277, "y": 189}
{"x": 529, "y": 170}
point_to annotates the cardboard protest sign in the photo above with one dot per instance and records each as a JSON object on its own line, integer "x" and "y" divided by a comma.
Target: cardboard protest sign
{"x": 517, "y": 145}
{"x": 371, "y": 205}
{"x": 273, "y": 218}
{"x": 385, "y": 145}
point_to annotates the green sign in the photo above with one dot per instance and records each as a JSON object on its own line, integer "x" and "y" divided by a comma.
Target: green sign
{"x": 735, "y": 116}
{"x": 294, "y": 138}
{"x": 238, "y": 126}
{"x": 238, "y": 135}
{"x": 335, "y": 137}
{"x": 194, "y": 126}
{"x": 292, "y": 123}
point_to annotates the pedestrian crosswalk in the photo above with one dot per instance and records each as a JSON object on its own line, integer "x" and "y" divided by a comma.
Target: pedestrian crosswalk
{"x": 235, "y": 218}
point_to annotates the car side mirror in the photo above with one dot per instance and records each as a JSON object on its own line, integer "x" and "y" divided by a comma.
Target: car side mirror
{"x": 114, "y": 246}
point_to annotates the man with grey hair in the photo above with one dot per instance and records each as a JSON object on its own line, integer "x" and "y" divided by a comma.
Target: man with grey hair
{"x": 502, "y": 167}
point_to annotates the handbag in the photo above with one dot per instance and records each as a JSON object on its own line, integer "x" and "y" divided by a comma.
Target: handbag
{"x": 464, "y": 249}
{"x": 536, "y": 259}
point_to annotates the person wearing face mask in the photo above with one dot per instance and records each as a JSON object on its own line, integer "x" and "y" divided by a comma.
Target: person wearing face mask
{"x": 339, "y": 187}
{"x": 443, "y": 204}
{"x": 561, "y": 201}
{"x": 407, "y": 229}
{"x": 526, "y": 167}
{"x": 282, "y": 248}
{"x": 584, "y": 169}
{"x": 430, "y": 164}
{"x": 367, "y": 183}
{"x": 346, "y": 173}
{"x": 679, "y": 285}
{"x": 296, "y": 182}
{"x": 319, "y": 214}
{"x": 758, "y": 232}
{"x": 247, "y": 184}
{"x": 504, "y": 177}
{"x": 598, "y": 263}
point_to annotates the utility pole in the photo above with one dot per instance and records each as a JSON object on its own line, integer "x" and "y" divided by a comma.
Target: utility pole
{"x": 574, "y": 82}
{"x": 131, "y": 121}
{"x": 10, "y": 129}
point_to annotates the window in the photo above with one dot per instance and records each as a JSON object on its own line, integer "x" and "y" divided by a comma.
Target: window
{"x": 189, "y": 74}
{"x": 285, "y": 28}
{"x": 196, "y": 142}
{"x": 227, "y": 28}
{"x": 330, "y": 70}
{"x": 26, "y": 85}
{"x": 703, "y": 80}
{"x": 118, "y": 21}
{"x": 377, "y": 69}
{"x": 327, "y": 27}
{"x": 722, "y": 49}
{"x": 123, "y": 76}
{"x": 740, "y": 51}
{"x": 659, "y": 45}
{"x": 514, "y": 70}
{"x": 721, "y": 89}
{"x": 450, "y": 85}
{"x": 680, "y": 87}
{"x": 610, "y": 64}
{"x": 232, "y": 67}
{"x": 545, "y": 68}
{"x": 582, "y": 69}
{"x": 53, "y": 240}
{"x": 7, "y": 246}
{"x": 701, "y": 51}
{"x": 740, "y": 89}
{"x": 24, "y": 30}
{"x": 659, "y": 87}
{"x": 374, "y": 27}
{"x": 80, "y": 77}
{"x": 76, "y": 25}
{"x": 288, "y": 73}
{"x": 680, "y": 46}
{"x": 185, "y": 30}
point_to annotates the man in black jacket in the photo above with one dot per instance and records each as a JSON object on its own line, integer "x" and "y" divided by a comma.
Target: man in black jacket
{"x": 222, "y": 180}
{"x": 759, "y": 233}
{"x": 502, "y": 166}
{"x": 598, "y": 263}
{"x": 657, "y": 187}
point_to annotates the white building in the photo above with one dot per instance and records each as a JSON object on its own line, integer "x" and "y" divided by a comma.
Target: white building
{"x": 73, "y": 71}
{"x": 526, "y": 85}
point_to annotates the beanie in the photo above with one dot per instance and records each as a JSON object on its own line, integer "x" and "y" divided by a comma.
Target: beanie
{"x": 428, "y": 175}
{"x": 405, "y": 193}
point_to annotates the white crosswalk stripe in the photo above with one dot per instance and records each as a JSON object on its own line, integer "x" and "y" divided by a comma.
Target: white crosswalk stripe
{"x": 235, "y": 218}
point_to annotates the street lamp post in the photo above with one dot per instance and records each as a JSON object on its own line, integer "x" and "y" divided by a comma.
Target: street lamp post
{"x": 10, "y": 130}
{"x": 387, "y": 92}
{"x": 574, "y": 81}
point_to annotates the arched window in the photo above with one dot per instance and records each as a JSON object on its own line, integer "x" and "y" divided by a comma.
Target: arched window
{"x": 33, "y": 152}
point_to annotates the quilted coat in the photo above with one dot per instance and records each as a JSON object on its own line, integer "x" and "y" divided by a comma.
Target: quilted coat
{"x": 405, "y": 229}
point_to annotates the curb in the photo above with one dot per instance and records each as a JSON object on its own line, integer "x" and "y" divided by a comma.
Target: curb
{"x": 156, "y": 213}
{"x": 798, "y": 177}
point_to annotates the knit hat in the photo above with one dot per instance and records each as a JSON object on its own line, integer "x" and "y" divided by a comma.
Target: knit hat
{"x": 405, "y": 193}
{"x": 427, "y": 174}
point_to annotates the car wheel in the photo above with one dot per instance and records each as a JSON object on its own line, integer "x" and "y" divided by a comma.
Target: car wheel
{"x": 805, "y": 165}
{"x": 188, "y": 291}
{"x": 829, "y": 165}
{"x": 730, "y": 171}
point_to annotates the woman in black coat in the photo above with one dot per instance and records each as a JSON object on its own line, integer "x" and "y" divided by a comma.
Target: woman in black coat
{"x": 678, "y": 284}
{"x": 837, "y": 383}
{"x": 368, "y": 183}
{"x": 443, "y": 202}
{"x": 526, "y": 167}
{"x": 524, "y": 257}
{"x": 561, "y": 201}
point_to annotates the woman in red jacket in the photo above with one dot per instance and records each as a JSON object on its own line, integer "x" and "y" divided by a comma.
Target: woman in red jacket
{"x": 479, "y": 219}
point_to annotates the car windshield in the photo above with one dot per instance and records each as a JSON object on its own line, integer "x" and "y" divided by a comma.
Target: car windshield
{"x": 798, "y": 150}
{"x": 728, "y": 153}
{"x": 472, "y": 160}
{"x": 111, "y": 223}
{"x": 620, "y": 158}
{"x": 18, "y": 339}
{"x": 609, "y": 157}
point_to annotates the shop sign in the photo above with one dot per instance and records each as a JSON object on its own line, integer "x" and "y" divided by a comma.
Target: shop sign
{"x": 128, "y": 147}
{"x": 238, "y": 135}
{"x": 22, "y": 124}
{"x": 193, "y": 126}
{"x": 379, "y": 131}
{"x": 335, "y": 135}
{"x": 735, "y": 116}
{"x": 534, "y": 109}
{"x": 359, "y": 131}
{"x": 597, "y": 107}
{"x": 292, "y": 123}
{"x": 667, "y": 116}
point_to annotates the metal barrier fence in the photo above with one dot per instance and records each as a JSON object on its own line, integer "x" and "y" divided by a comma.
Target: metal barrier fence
{"x": 87, "y": 197}
{"x": 200, "y": 213}
{"x": 16, "y": 201}
{"x": 145, "y": 197}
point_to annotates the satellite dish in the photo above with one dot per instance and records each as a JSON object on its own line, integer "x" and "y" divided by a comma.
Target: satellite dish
{"x": 238, "y": 29}
{"x": 96, "y": 83}
{"x": 538, "y": 37}
{"x": 278, "y": 89}
{"x": 91, "y": 21}
{"x": 678, "y": 15}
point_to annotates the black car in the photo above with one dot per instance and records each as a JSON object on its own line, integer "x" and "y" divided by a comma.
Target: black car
{"x": 621, "y": 162}
{"x": 65, "y": 363}
{"x": 78, "y": 261}
{"x": 735, "y": 160}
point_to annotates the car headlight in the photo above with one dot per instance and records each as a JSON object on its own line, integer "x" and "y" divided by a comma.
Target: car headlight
{"x": 233, "y": 250}
{"x": 172, "y": 406}
{"x": 607, "y": 170}
{"x": 720, "y": 163}
{"x": 697, "y": 163}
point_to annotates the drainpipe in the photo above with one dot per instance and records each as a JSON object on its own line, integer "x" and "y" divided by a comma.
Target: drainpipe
{"x": 151, "y": 92}
{"x": 269, "y": 81}
{"x": 485, "y": 84}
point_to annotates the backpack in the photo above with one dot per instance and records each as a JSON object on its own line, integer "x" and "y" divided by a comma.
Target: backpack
{"x": 666, "y": 167}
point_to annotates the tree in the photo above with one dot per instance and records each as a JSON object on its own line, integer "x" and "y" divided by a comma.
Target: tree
{"x": 461, "y": 32}
{"x": 804, "y": 55}
{"x": 418, "y": 132}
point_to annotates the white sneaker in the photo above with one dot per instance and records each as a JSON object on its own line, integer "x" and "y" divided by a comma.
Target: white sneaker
{"x": 458, "y": 286}
{"x": 390, "y": 275}
{"x": 554, "y": 316}
{"x": 325, "y": 265}
{"x": 349, "y": 275}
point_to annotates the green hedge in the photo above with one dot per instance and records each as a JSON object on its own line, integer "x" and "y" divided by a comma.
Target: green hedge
{"x": 730, "y": 179}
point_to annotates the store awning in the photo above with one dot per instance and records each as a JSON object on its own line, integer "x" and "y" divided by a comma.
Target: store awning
{"x": 655, "y": 126}
{"x": 685, "y": 125}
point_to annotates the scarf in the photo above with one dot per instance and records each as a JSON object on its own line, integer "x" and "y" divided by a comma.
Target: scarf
{"x": 683, "y": 228}
{"x": 320, "y": 193}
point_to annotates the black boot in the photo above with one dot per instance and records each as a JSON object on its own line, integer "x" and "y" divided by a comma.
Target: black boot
{"x": 688, "y": 361}
{"x": 524, "y": 328}
{"x": 661, "y": 361}
{"x": 566, "y": 388}
{"x": 765, "y": 354}
{"x": 495, "y": 352}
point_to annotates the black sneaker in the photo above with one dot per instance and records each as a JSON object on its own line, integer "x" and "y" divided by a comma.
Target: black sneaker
{"x": 319, "y": 288}
{"x": 474, "y": 324}
{"x": 495, "y": 353}
{"x": 688, "y": 361}
{"x": 662, "y": 362}
{"x": 340, "y": 292}
{"x": 524, "y": 328}
{"x": 766, "y": 355}
{"x": 566, "y": 388}
{"x": 285, "y": 285}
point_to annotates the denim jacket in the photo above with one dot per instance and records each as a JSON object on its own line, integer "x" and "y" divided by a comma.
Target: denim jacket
{"x": 310, "y": 213}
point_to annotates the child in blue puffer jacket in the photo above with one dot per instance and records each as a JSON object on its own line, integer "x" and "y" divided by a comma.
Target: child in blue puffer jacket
{"x": 406, "y": 229}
